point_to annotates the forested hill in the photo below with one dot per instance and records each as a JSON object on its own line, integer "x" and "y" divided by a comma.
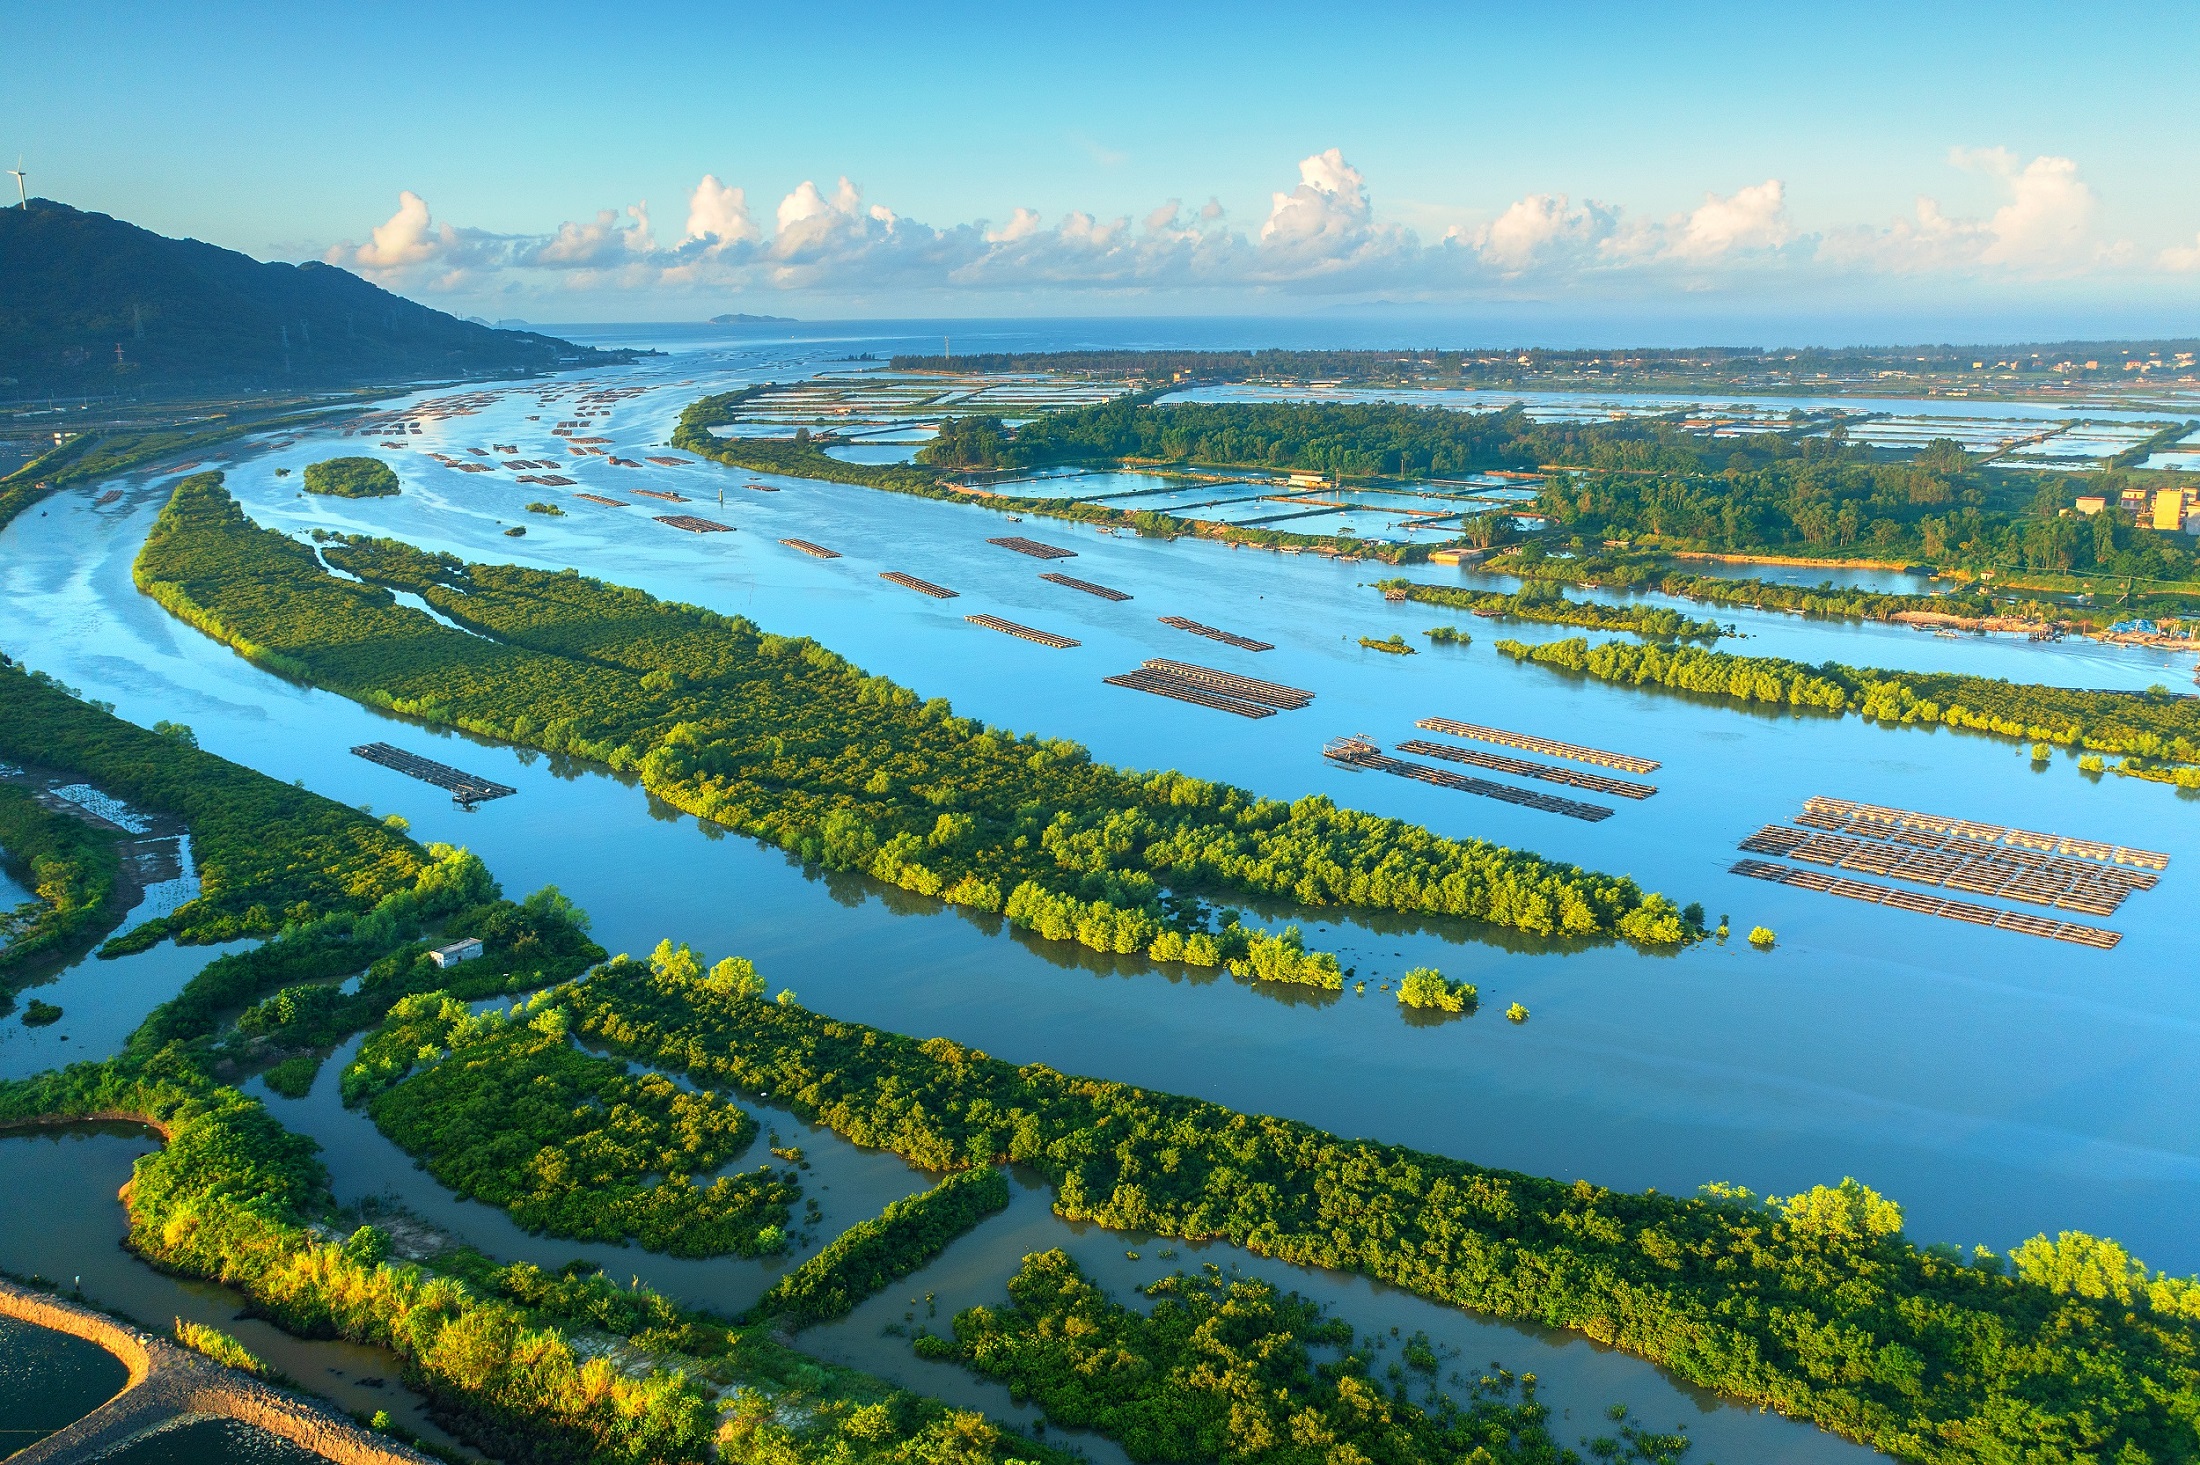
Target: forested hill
{"x": 76, "y": 286}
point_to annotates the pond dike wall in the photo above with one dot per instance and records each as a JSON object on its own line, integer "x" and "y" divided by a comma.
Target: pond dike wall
{"x": 169, "y": 1383}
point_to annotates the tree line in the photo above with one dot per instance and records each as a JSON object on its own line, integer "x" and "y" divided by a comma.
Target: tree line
{"x": 1813, "y": 1304}
{"x": 781, "y": 739}
{"x": 2149, "y": 724}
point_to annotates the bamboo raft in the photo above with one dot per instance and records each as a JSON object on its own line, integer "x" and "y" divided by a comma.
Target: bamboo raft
{"x": 694, "y": 525}
{"x": 1034, "y": 548}
{"x": 1243, "y": 643}
{"x": 597, "y": 498}
{"x": 1927, "y": 905}
{"x": 1522, "y": 768}
{"x": 1230, "y": 684}
{"x": 1028, "y": 633}
{"x": 1087, "y": 586}
{"x": 1845, "y": 816}
{"x": 1183, "y": 691}
{"x": 763, "y": 487}
{"x": 922, "y": 587}
{"x": 1532, "y": 744}
{"x": 465, "y": 787}
{"x": 2012, "y": 874}
{"x": 654, "y": 493}
{"x": 671, "y": 462}
{"x": 546, "y": 480}
{"x": 1361, "y": 752}
{"x": 818, "y": 550}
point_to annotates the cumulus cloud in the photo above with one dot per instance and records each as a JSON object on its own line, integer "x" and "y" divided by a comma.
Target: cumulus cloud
{"x": 1753, "y": 218}
{"x": 2044, "y": 228}
{"x": 718, "y": 216}
{"x": 1321, "y": 235}
{"x": 1535, "y": 228}
{"x": 1021, "y": 225}
{"x": 407, "y": 239}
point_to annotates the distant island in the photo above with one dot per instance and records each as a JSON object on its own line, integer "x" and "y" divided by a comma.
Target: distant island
{"x": 753, "y": 320}
{"x": 98, "y": 306}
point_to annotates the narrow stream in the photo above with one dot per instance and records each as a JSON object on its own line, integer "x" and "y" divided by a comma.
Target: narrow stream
{"x": 1579, "y": 1379}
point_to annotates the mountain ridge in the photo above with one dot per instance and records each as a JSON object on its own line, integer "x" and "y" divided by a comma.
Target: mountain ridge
{"x": 94, "y": 305}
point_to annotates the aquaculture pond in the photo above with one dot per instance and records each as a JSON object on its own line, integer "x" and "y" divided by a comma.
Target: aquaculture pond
{"x": 49, "y": 1380}
{"x": 1996, "y": 1084}
{"x": 1827, "y": 1056}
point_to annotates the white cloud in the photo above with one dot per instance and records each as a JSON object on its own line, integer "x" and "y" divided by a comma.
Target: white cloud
{"x": 2044, "y": 228}
{"x": 599, "y": 244}
{"x": 1537, "y": 226}
{"x": 2181, "y": 258}
{"x": 1752, "y": 218}
{"x": 408, "y": 239}
{"x": 1021, "y": 225}
{"x": 1321, "y": 236}
{"x": 720, "y": 215}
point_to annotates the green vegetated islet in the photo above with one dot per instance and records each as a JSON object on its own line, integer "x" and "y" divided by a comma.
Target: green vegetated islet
{"x": 234, "y": 1198}
{"x": 1224, "y": 1369}
{"x": 1427, "y": 988}
{"x": 779, "y": 738}
{"x": 502, "y": 1108}
{"x": 2149, "y": 725}
{"x": 352, "y": 478}
{"x": 1544, "y": 602}
{"x": 801, "y": 457}
{"x": 72, "y": 871}
{"x": 872, "y": 1254}
{"x": 1816, "y": 1304}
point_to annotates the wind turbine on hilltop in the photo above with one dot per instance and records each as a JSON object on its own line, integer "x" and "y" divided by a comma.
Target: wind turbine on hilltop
{"x": 22, "y": 194}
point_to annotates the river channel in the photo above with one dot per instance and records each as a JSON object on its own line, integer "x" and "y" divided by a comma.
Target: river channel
{"x": 1995, "y": 1084}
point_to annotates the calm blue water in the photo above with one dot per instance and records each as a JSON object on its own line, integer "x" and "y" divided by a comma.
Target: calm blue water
{"x": 1997, "y": 1085}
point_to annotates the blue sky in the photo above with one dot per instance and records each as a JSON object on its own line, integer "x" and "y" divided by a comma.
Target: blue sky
{"x": 2029, "y": 166}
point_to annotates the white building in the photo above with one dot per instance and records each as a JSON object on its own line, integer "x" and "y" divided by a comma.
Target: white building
{"x": 456, "y": 952}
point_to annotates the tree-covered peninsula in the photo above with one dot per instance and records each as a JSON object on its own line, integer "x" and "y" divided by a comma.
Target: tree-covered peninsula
{"x": 2067, "y": 1350}
{"x": 2147, "y": 724}
{"x": 782, "y": 739}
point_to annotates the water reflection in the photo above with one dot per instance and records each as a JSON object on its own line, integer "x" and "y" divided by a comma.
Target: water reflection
{"x": 1828, "y": 1056}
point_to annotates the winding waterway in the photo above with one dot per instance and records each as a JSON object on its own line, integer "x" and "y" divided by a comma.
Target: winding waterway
{"x": 1996, "y": 1084}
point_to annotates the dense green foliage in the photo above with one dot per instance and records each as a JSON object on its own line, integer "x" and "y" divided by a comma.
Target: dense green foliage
{"x": 191, "y": 314}
{"x": 268, "y": 853}
{"x": 870, "y": 1255}
{"x": 1632, "y": 570}
{"x": 503, "y": 1108}
{"x": 1352, "y": 439}
{"x": 236, "y": 1198}
{"x": 781, "y": 739}
{"x": 351, "y": 478}
{"x": 229, "y": 1198}
{"x": 1427, "y": 988}
{"x": 1222, "y": 1370}
{"x": 1815, "y": 1305}
{"x": 806, "y": 458}
{"x": 1810, "y": 497}
{"x": 533, "y": 944}
{"x": 2149, "y": 724}
{"x": 1544, "y": 602}
{"x": 72, "y": 871}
